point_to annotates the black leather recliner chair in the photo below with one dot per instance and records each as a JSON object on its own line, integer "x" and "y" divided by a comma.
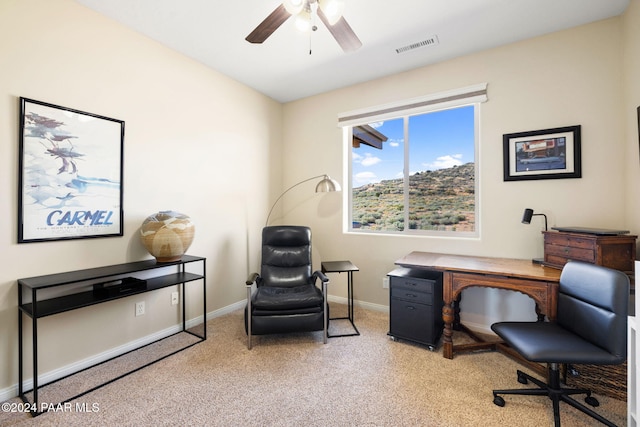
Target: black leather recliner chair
{"x": 286, "y": 298}
{"x": 591, "y": 328}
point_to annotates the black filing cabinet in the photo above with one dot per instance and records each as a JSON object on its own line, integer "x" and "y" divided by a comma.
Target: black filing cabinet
{"x": 415, "y": 305}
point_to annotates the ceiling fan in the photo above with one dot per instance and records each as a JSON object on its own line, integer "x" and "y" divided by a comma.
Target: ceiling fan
{"x": 329, "y": 12}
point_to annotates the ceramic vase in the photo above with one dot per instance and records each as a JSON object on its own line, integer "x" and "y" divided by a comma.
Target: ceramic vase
{"x": 167, "y": 235}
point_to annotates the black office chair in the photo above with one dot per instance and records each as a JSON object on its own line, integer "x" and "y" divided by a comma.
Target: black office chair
{"x": 591, "y": 328}
{"x": 286, "y": 298}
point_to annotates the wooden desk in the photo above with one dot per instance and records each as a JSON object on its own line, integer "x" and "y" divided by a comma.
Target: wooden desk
{"x": 460, "y": 272}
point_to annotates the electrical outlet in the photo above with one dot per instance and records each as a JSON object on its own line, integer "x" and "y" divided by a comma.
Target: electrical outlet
{"x": 175, "y": 298}
{"x": 385, "y": 282}
{"x": 139, "y": 308}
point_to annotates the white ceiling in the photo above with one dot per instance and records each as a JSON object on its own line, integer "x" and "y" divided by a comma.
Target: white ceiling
{"x": 213, "y": 32}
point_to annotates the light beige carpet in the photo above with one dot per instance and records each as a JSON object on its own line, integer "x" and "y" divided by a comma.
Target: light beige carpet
{"x": 295, "y": 380}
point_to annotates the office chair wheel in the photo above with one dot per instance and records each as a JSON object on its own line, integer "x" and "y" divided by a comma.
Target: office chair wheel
{"x": 522, "y": 379}
{"x": 592, "y": 401}
{"x": 498, "y": 401}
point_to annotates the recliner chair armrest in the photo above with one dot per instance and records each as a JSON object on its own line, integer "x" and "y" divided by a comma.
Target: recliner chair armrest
{"x": 320, "y": 275}
{"x": 252, "y": 279}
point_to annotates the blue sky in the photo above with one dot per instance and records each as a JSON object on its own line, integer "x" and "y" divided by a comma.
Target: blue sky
{"x": 437, "y": 140}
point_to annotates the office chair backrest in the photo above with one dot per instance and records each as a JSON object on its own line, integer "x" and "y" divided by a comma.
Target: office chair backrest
{"x": 593, "y": 303}
{"x": 286, "y": 256}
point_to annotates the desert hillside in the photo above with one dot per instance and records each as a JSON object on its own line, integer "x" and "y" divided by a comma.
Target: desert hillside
{"x": 443, "y": 199}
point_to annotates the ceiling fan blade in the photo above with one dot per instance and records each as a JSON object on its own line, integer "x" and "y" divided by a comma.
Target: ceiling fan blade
{"x": 269, "y": 25}
{"x": 342, "y": 32}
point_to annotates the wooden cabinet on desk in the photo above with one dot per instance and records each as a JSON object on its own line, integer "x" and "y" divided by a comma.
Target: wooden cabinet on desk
{"x": 415, "y": 305}
{"x": 613, "y": 251}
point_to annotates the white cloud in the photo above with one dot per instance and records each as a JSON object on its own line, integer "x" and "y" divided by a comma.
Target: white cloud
{"x": 365, "y": 178}
{"x": 445, "y": 162}
{"x": 370, "y": 160}
{"x": 367, "y": 160}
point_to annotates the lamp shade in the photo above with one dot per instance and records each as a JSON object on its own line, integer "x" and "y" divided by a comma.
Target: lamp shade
{"x": 327, "y": 185}
{"x": 332, "y": 9}
{"x": 293, "y": 6}
{"x": 303, "y": 21}
{"x": 526, "y": 217}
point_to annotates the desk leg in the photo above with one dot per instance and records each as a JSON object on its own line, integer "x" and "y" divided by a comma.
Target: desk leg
{"x": 447, "y": 334}
{"x": 456, "y": 313}
{"x": 448, "y": 314}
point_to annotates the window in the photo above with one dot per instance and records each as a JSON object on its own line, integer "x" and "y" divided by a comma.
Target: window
{"x": 412, "y": 167}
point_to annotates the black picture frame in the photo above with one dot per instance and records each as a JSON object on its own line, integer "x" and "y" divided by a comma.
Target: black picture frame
{"x": 70, "y": 183}
{"x": 543, "y": 154}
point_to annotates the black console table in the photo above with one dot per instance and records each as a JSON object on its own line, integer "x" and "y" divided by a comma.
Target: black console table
{"x": 82, "y": 288}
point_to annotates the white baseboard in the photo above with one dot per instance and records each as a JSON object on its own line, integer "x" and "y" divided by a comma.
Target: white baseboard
{"x": 226, "y": 310}
{"x": 480, "y": 328}
{"x": 367, "y": 305}
{"x": 12, "y": 391}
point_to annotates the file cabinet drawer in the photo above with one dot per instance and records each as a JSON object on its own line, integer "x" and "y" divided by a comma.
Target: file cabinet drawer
{"x": 407, "y": 321}
{"x": 412, "y": 284}
{"x": 411, "y": 295}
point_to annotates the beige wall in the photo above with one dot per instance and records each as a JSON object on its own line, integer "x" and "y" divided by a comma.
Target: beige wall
{"x": 195, "y": 141}
{"x": 205, "y": 128}
{"x": 631, "y": 69}
{"x": 572, "y": 77}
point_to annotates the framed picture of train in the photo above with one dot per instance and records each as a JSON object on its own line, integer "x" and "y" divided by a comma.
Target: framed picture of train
{"x": 542, "y": 154}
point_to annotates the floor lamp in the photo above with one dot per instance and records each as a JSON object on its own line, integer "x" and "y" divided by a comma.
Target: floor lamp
{"x": 526, "y": 219}
{"x": 324, "y": 186}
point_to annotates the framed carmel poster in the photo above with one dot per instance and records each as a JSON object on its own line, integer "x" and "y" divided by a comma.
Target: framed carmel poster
{"x": 70, "y": 174}
{"x": 542, "y": 154}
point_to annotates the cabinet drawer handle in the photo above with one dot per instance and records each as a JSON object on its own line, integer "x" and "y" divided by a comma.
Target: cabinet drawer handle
{"x": 411, "y": 295}
{"x": 410, "y": 307}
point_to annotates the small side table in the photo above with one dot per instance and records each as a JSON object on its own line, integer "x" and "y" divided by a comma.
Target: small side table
{"x": 349, "y": 268}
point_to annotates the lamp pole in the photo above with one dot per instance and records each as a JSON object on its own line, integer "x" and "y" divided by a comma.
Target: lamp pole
{"x": 326, "y": 185}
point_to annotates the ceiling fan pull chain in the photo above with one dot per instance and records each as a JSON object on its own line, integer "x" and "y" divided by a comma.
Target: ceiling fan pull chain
{"x": 314, "y": 27}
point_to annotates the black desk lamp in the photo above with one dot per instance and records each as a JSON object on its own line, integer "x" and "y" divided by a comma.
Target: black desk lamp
{"x": 526, "y": 219}
{"x": 528, "y": 214}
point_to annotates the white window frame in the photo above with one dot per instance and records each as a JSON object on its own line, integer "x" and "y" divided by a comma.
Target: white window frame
{"x": 470, "y": 95}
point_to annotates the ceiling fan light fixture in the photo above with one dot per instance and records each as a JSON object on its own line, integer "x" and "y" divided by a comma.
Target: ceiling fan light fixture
{"x": 294, "y": 6}
{"x": 332, "y": 9}
{"x": 303, "y": 21}
{"x": 306, "y": 14}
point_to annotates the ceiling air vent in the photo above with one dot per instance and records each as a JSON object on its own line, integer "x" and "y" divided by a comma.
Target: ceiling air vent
{"x": 431, "y": 41}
